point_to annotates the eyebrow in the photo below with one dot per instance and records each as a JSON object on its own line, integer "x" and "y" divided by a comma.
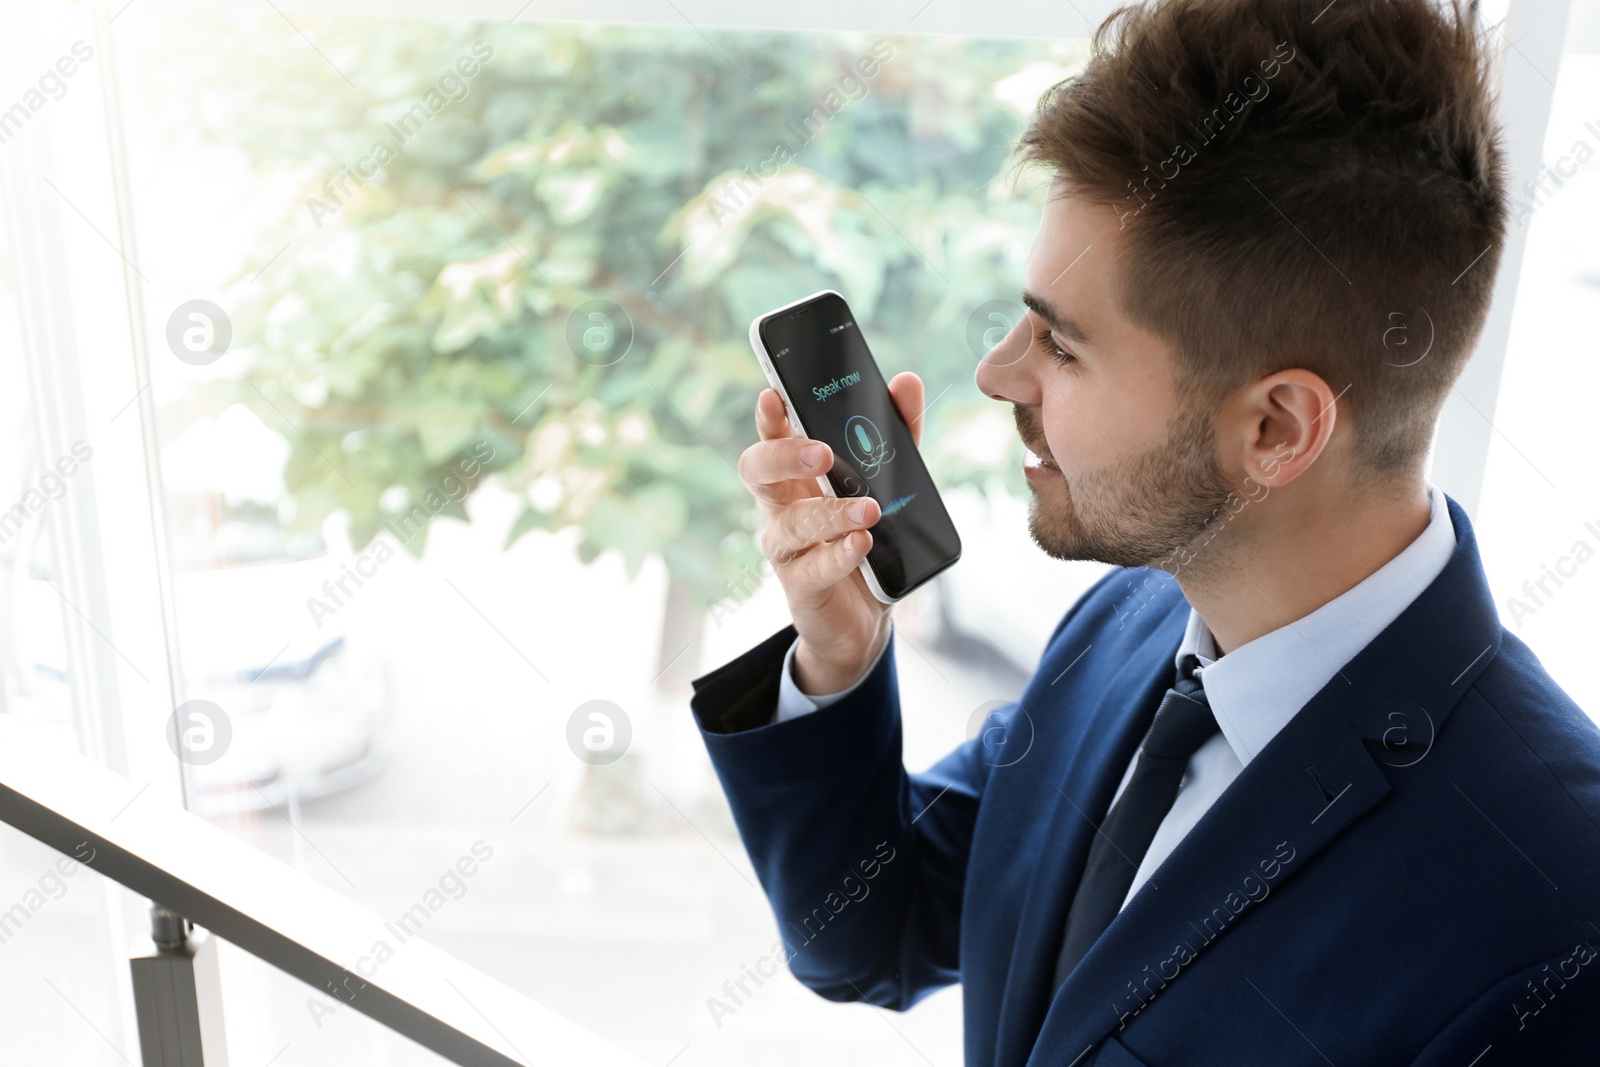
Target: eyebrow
{"x": 1062, "y": 324}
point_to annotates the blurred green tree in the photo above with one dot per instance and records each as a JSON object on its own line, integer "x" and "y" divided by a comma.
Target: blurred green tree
{"x": 558, "y": 256}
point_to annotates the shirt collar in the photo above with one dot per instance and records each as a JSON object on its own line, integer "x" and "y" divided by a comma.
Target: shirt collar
{"x": 1258, "y": 687}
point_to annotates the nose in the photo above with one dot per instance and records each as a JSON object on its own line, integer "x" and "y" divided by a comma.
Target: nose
{"x": 1005, "y": 372}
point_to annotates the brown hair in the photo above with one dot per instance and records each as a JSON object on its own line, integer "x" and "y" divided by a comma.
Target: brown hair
{"x": 1302, "y": 184}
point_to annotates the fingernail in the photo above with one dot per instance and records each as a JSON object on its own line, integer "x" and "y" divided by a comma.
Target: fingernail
{"x": 812, "y": 454}
{"x": 856, "y": 511}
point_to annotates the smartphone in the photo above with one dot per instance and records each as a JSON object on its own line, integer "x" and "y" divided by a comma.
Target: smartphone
{"x": 816, "y": 358}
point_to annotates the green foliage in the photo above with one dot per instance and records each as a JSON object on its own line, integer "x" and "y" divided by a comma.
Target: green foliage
{"x": 416, "y": 318}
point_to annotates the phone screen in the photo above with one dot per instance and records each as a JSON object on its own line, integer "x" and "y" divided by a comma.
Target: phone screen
{"x": 841, "y": 398}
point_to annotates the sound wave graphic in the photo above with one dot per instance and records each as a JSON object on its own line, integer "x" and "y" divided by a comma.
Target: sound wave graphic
{"x": 891, "y": 508}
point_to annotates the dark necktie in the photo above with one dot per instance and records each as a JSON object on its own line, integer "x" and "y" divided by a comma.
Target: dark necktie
{"x": 1182, "y": 724}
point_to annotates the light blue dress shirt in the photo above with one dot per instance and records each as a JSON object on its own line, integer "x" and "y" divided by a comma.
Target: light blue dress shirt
{"x": 1258, "y": 687}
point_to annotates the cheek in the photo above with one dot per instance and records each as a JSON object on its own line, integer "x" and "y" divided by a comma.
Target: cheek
{"x": 1071, "y": 440}
{"x": 1109, "y": 421}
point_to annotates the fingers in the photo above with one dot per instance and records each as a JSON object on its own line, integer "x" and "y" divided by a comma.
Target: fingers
{"x": 784, "y": 469}
{"x": 782, "y": 466}
{"x": 772, "y": 421}
{"x": 811, "y": 576}
{"x": 906, "y": 388}
{"x": 806, "y": 527}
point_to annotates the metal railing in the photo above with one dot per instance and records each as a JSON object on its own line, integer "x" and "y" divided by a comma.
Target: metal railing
{"x": 197, "y": 875}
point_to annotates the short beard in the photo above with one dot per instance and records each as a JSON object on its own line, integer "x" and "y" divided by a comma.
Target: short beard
{"x": 1136, "y": 512}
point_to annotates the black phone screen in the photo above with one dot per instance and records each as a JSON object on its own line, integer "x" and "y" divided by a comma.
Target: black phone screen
{"x": 841, "y": 398}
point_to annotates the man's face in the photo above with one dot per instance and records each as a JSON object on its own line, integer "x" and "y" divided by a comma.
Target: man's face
{"x": 1131, "y": 469}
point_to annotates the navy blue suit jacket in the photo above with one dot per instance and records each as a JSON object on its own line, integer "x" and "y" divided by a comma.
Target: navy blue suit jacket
{"x": 1409, "y": 873}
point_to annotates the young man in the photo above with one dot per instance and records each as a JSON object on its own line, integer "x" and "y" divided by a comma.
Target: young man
{"x": 1283, "y": 790}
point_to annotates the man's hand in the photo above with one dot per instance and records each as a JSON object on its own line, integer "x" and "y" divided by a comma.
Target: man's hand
{"x": 816, "y": 543}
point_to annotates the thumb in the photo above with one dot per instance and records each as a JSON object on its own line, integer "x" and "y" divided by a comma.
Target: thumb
{"x": 908, "y": 393}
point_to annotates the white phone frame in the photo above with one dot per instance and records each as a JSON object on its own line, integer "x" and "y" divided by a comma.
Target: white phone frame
{"x": 865, "y": 567}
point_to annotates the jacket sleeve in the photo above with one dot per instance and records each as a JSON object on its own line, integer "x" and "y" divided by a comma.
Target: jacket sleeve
{"x": 863, "y": 864}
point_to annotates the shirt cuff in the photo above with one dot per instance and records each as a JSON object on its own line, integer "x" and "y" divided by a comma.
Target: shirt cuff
{"x": 792, "y": 703}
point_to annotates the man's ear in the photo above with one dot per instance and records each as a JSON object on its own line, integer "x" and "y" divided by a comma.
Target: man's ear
{"x": 1286, "y": 420}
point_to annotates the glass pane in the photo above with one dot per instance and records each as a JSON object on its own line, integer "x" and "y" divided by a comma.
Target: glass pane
{"x": 61, "y": 974}
{"x": 449, "y": 325}
{"x": 1540, "y": 520}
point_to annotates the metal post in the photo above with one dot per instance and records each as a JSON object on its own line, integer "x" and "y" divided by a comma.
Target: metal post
{"x": 177, "y": 996}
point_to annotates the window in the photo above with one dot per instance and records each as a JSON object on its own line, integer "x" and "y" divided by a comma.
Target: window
{"x": 1540, "y": 527}
{"x": 411, "y": 349}
{"x": 453, "y": 512}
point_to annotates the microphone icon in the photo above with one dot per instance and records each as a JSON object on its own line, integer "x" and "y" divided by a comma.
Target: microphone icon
{"x": 867, "y": 445}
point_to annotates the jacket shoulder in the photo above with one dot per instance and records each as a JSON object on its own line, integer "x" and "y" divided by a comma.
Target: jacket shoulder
{"x": 1128, "y": 601}
{"x": 1557, "y": 733}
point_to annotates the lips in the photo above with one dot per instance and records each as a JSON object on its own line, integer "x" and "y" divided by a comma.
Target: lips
{"x": 1036, "y": 457}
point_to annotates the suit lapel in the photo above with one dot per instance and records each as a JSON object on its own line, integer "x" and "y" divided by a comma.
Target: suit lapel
{"x": 1273, "y": 820}
{"x": 1315, "y": 779}
{"x": 1080, "y": 798}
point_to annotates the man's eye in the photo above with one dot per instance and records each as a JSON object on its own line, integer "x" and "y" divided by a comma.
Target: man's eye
{"x": 1048, "y": 343}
